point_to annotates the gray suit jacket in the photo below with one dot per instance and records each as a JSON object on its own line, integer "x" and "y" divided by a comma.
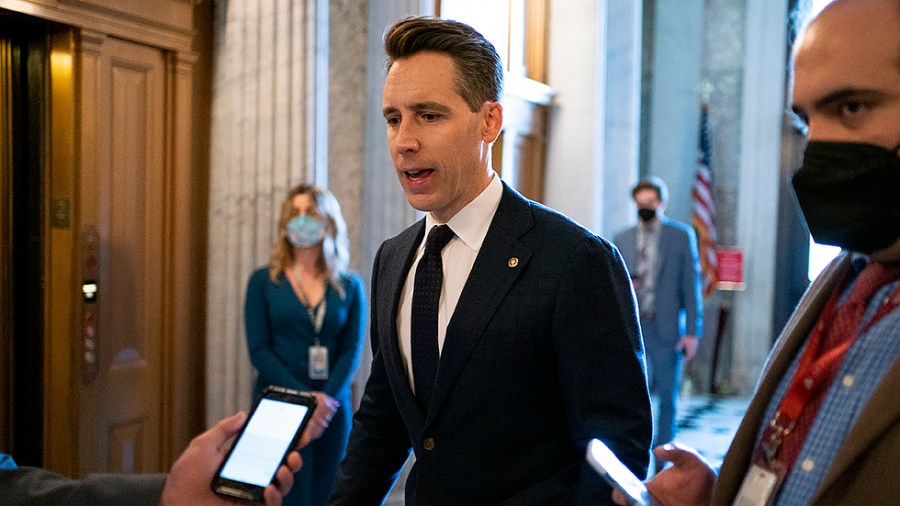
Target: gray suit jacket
{"x": 677, "y": 278}
{"x": 34, "y": 486}
{"x": 865, "y": 470}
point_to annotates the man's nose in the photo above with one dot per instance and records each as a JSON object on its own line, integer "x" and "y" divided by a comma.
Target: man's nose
{"x": 407, "y": 137}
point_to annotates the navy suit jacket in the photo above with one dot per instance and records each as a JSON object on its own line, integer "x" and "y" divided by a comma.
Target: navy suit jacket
{"x": 542, "y": 353}
{"x": 678, "y": 305}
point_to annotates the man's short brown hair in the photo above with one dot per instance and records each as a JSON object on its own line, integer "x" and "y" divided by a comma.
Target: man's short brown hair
{"x": 652, "y": 183}
{"x": 479, "y": 71}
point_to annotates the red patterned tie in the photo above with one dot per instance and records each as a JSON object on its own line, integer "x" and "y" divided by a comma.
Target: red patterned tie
{"x": 844, "y": 326}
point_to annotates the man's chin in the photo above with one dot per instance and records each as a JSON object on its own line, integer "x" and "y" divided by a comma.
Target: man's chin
{"x": 419, "y": 202}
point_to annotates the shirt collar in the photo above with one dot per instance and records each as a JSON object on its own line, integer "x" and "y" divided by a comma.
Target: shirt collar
{"x": 471, "y": 223}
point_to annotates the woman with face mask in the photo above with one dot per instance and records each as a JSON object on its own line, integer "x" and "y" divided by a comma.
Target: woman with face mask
{"x": 304, "y": 315}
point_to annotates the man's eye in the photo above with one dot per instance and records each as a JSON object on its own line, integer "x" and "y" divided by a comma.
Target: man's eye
{"x": 429, "y": 116}
{"x": 853, "y": 107}
{"x": 392, "y": 121}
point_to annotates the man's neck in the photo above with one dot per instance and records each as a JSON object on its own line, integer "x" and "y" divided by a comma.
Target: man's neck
{"x": 650, "y": 225}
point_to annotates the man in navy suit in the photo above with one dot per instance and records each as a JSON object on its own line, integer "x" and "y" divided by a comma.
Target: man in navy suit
{"x": 537, "y": 332}
{"x": 661, "y": 255}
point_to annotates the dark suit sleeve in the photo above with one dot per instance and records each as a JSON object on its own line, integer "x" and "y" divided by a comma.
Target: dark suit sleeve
{"x": 30, "y": 485}
{"x": 379, "y": 443}
{"x": 600, "y": 359}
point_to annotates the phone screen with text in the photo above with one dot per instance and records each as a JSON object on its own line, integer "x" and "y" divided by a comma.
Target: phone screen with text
{"x": 260, "y": 449}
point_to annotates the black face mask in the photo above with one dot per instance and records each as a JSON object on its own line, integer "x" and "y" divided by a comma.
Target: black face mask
{"x": 850, "y": 194}
{"x": 646, "y": 214}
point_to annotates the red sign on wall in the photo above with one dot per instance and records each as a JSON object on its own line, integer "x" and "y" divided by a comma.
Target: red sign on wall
{"x": 730, "y": 269}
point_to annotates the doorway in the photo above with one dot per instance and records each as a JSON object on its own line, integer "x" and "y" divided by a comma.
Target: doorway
{"x": 23, "y": 93}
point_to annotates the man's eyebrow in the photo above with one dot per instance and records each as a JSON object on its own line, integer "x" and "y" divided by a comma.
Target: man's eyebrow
{"x": 843, "y": 94}
{"x": 835, "y": 97}
{"x": 418, "y": 107}
{"x": 430, "y": 106}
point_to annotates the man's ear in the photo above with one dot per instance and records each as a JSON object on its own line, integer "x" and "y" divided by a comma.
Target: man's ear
{"x": 493, "y": 121}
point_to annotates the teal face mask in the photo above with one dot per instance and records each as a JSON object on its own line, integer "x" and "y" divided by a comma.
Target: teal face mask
{"x": 305, "y": 231}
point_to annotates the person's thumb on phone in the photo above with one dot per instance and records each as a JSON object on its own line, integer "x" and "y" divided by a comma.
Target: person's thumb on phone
{"x": 619, "y": 497}
{"x": 689, "y": 481}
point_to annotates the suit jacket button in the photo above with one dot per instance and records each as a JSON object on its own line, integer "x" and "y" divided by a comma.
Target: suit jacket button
{"x": 428, "y": 444}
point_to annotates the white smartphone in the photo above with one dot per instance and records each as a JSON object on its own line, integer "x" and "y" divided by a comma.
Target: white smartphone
{"x": 271, "y": 431}
{"x": 605, "y": 462}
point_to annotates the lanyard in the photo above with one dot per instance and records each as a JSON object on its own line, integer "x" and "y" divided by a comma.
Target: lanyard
{"x": 316, "y": 317}
{"x": 316, "y": 313}
{"x": 815, "y": 368}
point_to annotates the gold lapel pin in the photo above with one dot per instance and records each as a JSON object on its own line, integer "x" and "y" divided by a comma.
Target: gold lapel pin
{"x": 513, "y": 262}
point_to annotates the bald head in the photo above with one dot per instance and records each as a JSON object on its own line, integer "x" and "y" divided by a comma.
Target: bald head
{"x": 847, "y": 90}
{"x": 844, "y": 21}
{"x": 847, "y": 73}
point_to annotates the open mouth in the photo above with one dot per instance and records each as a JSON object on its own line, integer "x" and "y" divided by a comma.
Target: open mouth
{"x": 418, "y": 174}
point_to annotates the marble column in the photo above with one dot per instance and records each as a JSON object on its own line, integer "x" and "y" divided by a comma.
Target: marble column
{"x": 262, "y": 143}
{"x": 723, "y": 70}
{"x": 622, "y": 114}
{"x": 757, "y": 203}
{"x": 672, "y": 130}
{"x": 592, "y": 152}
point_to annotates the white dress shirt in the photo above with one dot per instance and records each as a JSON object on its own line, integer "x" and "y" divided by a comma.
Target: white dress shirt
{"x": 470, "y": 225}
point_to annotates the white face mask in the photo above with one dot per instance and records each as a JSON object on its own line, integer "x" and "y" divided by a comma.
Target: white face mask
{"x": 305, "y": 231}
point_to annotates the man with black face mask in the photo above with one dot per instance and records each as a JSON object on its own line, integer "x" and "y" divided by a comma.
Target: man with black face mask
{"x": 661, "y": 255}
{"x": 824, "y": 425}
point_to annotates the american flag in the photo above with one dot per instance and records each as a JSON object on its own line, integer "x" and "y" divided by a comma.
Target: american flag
{"x": 703, "y": 217}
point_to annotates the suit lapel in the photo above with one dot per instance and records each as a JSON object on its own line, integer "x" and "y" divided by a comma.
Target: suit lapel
{"x": 804, "y": 317}
{"x": 662, "y": 251}
{"x": 628, "y": 248}
{"x": 397, "y": 263}
{"x": 792, "y": 338}
{"x": 499, "y": 263}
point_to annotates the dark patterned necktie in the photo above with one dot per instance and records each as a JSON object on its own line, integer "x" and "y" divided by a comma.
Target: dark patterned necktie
{"x": 424, "y": 325}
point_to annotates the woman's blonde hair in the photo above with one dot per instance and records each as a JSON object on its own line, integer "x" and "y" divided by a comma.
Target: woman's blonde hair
{"x": 335, "y": 260}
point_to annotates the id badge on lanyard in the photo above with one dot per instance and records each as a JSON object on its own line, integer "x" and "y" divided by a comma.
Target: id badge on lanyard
{"x": 760, "y": 485}
{"x": 318, "y": 354}
{"x": 767, "y": 474}
{"x": 318, "y": 362}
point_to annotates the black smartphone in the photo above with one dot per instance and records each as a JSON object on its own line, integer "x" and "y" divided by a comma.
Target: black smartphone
{"x": 272, "y": 430}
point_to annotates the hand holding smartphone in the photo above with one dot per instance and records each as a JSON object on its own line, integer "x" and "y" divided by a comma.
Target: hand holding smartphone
{"x": 272, "y": 430}
{"x": 605, "y": 462}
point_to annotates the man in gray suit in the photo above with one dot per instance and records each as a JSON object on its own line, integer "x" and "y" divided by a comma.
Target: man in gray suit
{"x": 661, "y": 255}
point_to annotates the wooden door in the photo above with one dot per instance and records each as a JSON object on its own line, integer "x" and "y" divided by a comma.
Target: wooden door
{"x": 122, "y": 207}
